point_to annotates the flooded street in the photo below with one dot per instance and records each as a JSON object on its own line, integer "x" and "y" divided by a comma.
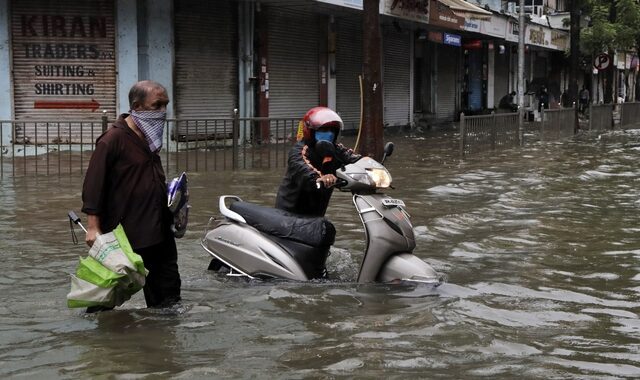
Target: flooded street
{"x": 540, "y": 248}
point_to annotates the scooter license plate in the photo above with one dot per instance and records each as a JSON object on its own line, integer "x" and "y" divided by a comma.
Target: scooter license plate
{"x": 390, "y": 202}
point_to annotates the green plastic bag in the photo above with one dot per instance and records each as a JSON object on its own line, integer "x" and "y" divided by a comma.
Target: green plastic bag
{"x": 109, "y": 275}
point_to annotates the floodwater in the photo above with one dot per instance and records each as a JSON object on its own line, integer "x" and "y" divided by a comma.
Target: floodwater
{"x": 539, "y": 246}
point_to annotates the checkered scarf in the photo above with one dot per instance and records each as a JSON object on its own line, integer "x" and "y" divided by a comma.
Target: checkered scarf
{"x": 151, "y": 123}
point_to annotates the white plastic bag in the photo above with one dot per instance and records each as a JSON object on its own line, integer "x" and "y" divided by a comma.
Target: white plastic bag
{"x": 109, "y": 275}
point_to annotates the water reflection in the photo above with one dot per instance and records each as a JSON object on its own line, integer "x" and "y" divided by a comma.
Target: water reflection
{"x": 539, "y": 247}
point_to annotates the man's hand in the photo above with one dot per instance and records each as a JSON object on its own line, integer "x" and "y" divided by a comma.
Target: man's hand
{"x": 328, "y": 180}
{"x": 93, "y": 229}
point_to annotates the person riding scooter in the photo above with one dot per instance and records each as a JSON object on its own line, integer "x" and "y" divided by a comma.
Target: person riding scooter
{"x": 299, "y": 192}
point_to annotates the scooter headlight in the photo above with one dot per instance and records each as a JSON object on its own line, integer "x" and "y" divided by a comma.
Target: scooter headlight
{"x": 362, "y": 178}
{"x": 380, "y": 177}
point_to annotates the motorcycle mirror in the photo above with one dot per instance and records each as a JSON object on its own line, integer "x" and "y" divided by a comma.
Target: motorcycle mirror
{"x": 388, "y": 150}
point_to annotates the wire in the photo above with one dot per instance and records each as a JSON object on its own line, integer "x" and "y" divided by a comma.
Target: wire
{"x": 355, "y": 148}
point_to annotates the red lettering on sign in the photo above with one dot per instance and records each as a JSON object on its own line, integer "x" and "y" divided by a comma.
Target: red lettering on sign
{"x": 66, "y": 104}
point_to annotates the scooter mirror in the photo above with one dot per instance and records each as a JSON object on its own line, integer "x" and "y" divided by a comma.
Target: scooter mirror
{"x": 388, "y": 150}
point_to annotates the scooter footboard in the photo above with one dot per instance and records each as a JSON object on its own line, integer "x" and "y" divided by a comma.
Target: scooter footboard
{"x": 407, "y": 267}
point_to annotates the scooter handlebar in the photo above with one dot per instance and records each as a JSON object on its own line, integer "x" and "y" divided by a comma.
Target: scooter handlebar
{"x": 339, "y": 183}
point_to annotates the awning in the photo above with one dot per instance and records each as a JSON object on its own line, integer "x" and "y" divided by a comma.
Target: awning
{"x": 467, "y": 10}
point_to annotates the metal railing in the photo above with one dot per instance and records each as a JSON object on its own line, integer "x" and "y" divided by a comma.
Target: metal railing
{"x": 41, "y": 147}
{"x": 629, "y": 114}
{"x": 65, "y": 148}
{"x": 600, "y": 117}
{"x": 228, "y": 143}
{"x": 492, "y": 132}
{"x": 557, "y": 124}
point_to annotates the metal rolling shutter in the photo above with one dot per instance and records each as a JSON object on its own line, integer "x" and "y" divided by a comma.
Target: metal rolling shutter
{"x": 63, "y": 63}
{"x": 446, "y": 90}
{"x": 501, "y": 80}
{"x": 348, "y": 68}
{"x": 294, "y": 85}
{"x": 397, "y": 77}
{"x": 206, "y": 68}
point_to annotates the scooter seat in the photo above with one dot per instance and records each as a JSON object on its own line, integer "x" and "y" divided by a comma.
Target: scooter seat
{"x": 313, "y": 231}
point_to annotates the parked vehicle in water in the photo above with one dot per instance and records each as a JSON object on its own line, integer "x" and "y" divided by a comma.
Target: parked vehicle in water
{"x": 263, "y": 242}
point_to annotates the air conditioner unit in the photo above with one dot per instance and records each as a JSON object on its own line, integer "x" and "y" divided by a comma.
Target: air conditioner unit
{"x": 511, "y": 8}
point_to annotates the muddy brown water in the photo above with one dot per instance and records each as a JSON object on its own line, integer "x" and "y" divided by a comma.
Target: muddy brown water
{"x": 540, "y": 248}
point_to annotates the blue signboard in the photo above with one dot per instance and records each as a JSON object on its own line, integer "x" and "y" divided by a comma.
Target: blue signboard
{"x": 452, "y": 39}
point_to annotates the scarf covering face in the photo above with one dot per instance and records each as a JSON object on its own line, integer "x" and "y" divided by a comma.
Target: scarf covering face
{"x": 151, "y": 123}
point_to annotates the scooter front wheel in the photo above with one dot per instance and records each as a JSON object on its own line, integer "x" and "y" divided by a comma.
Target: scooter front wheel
{"x": 408, "y": 267}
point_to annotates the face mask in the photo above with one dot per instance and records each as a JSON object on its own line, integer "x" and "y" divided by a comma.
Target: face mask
{"x": 325, "y": 136}
{"x": 151, "y": 123}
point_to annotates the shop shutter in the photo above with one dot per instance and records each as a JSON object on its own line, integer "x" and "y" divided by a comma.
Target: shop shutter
{"x": 63, "y": 64}
{"x": 294, "y": 84}
{"x": 397, "y": 77}
{"x": 447, "y": 88}
{"x": 206, "y": 64}
{"x": 348, "y": 69}
{"x": 501, "y": 80}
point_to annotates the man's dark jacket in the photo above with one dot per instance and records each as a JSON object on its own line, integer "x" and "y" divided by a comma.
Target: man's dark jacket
{"x": 125, "y": 183}
{"x": 298, "y": 192}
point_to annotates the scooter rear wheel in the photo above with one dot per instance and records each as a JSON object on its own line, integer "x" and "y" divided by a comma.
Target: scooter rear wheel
{"x": 216, "y": 265}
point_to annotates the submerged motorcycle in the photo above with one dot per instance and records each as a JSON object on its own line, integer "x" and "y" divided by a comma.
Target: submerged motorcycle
{"x": 263, "y": 242}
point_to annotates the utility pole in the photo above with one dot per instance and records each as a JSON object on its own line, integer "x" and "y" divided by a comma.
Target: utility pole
{"x": 574, "y": 33}
{"x": 371, "y": 129}
{"x": 521, "y": 31}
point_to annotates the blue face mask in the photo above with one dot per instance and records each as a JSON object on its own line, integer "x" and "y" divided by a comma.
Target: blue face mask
{"x": 325, "y": 136}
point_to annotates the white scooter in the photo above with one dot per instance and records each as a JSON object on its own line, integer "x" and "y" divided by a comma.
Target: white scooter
{"x": 262, "y": 242}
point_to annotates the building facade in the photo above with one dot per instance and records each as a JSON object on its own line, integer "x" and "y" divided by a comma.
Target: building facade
{"x": 77, "y": 59}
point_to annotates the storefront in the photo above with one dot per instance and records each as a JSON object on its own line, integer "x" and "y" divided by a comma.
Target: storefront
{"x": 206, "y": 64}
{"x": 423, "y": 78}
{"x": 294, "y": 45}
{"x": 397, "y": 57}
{"x": 63, "y": 63}
{"x": 347, "y": 69}
{"x": 447, "y": 50}
{"x": 491, "y": 31}
{"x": 474, "y": 85}
{"x": 500, "y": 85}
{"x": 396, "y": 48}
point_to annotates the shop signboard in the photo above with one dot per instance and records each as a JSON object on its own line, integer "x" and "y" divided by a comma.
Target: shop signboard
{"x": 538, "y": 35}
{"x": 63, "y": 59}
{"x": 452, "y": 39}
{"x": 436, "y": 37}
{"x": 413, "y": 10}
{"x": 513, "y": 31}
{"x": 559, "y": 40}
{"x": 496, "y": 26}
{"x": 621, "y": 60}
{"x": 443, "y": 16}
{"x": 356, "y": 4}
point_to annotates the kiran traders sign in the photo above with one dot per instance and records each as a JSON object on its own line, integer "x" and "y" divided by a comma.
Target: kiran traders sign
{"x": 63, "y": 59}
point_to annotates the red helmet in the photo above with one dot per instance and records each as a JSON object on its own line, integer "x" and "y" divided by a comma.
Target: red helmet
{"x": 319, "y": 117}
